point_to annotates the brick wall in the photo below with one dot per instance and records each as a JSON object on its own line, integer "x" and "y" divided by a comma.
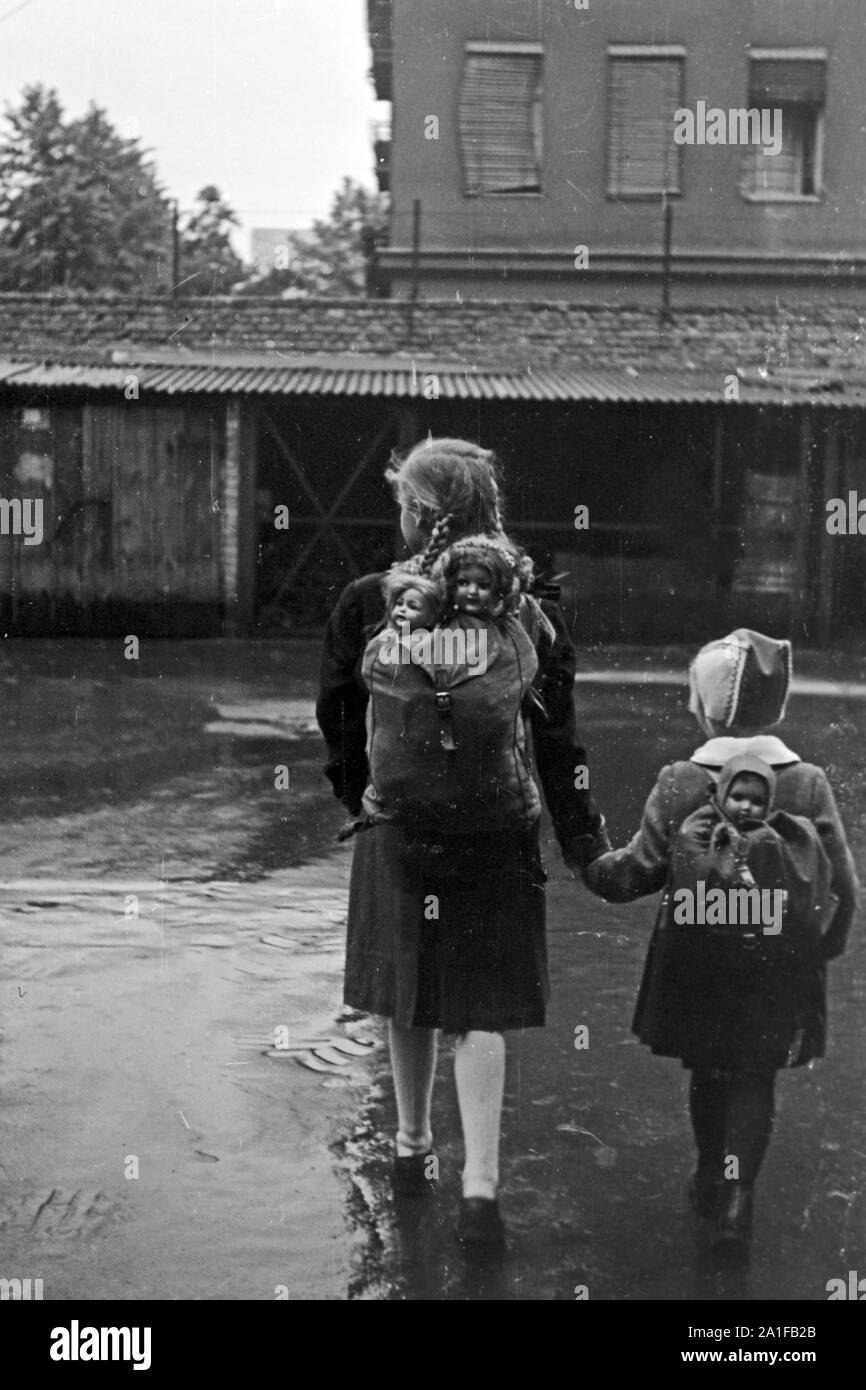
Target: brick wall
{"x": 513, "y": 334}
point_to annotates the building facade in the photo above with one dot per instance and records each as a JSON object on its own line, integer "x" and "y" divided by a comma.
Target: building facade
{"x": 537, "y": 150}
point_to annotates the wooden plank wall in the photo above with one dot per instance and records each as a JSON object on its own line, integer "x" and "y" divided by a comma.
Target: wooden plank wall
{"x": 133, "y": 508}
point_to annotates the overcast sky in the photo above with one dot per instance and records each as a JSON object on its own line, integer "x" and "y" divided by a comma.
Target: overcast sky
{"x": 268, "y": 99}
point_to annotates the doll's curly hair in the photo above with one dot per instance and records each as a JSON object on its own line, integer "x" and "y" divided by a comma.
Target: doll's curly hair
{"x": 401, "y": 577}
{"x": 497, "y": 557}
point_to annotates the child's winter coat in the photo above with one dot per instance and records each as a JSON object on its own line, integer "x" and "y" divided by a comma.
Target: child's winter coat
{"x": 708, "y": 1009}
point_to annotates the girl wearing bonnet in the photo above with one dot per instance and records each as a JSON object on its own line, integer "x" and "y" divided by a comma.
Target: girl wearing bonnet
{"x": 738, "y": 692}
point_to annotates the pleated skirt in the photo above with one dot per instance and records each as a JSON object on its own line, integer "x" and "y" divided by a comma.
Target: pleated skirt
{"x": 443, "y": 950}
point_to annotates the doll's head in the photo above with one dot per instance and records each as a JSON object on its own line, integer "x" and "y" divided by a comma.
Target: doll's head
{"x": 748, "y": 798}
{"x": 411, "y": 598}
{"x": 745, "y": 789}
{"x": 479, "y": 575}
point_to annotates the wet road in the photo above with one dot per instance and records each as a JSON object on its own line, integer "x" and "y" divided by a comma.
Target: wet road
{"x": 170, "y": 950}
{"x": 597, "y": 1143}
{"x": 147, "y": 1037}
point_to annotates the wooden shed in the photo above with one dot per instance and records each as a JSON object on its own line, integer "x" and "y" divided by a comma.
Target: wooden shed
{"x": 235, "y": 486}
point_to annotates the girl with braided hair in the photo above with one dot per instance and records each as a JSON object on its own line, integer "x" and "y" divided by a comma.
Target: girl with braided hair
{"x": 480, "y": 969}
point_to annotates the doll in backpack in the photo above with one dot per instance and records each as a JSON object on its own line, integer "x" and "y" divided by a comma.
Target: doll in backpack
{"x": 446, "y": 738}
{"x": 753, "y": 875}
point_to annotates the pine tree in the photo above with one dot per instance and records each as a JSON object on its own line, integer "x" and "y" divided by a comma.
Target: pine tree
{"x": 80, "y": 205}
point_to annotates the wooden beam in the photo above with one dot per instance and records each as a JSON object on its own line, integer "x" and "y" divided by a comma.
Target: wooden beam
{"x": 326, "y": 526}
{"x": 801, "y": 607}
{"x": 360, "y": 468}
{"x": 230, "y": 517}
{"x": 247, "y": 565}
{"x": 718, "y": 463}
{"x": 408, "y": 433}
{"x": 719, "y": 545}
{"x": 298, "y": 471}
{"x": 828, "y": 550}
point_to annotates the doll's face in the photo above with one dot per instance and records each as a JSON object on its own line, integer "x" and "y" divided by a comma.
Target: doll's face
{"x": 474, "y": 591}
{"x": 414, "y": 608}
{"x": 748, "y": 798}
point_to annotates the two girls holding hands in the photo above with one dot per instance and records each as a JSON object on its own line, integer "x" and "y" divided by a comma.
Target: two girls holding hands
{"x": 477, "y": 967}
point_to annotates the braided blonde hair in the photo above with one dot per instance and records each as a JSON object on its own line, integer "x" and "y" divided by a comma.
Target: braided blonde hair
{"x": 439, "y": 539}
{"x": 453, "y": 478}
{"x": 454, "y": 489}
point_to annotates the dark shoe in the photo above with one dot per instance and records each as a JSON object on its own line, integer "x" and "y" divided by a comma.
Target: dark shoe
{"x": 409, "y": 1176}
{"x": 734, "y": 1222}
{"x": 703, "y": 1194}
{"x": 479, "y": 1222}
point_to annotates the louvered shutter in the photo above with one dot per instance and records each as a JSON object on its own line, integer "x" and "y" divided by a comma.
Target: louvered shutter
{"x": 643, "y": 95}
{"x": 774, "y": 81}
{"x": 500, "y": 127}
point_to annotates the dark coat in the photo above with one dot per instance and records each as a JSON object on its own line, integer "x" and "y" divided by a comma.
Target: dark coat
{"x": 718, "y": 1012}
{"x": 482, "y": 962}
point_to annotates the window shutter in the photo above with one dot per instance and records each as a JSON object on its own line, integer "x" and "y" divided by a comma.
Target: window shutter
{"x": 773, "y": 81}
{"x": 643, "y": 95}
{"x": 500, "y": 125}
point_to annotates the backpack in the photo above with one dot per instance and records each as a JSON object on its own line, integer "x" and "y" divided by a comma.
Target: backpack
{"x": 446, "y": 739}
{"x": 763, "y": 890}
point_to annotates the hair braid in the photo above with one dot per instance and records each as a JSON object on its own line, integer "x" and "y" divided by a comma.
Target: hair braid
{"x": 438, "y": 542}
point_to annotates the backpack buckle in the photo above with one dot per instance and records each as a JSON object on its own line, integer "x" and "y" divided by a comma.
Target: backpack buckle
{"x": 445, "y": 709}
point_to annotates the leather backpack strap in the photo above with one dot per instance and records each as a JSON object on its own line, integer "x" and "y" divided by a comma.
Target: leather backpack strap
{"x": 445, "y": 711}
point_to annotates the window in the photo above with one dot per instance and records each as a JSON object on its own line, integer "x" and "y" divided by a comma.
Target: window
{"x": 500, "y": 118}
{"x": 645, "y": 88}
{"x": 794, "y": 82}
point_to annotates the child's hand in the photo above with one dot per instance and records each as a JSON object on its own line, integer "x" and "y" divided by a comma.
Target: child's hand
{"x": 585, "y": 848}
{"x": 699, "y": 825}
{"x": 350, "y": 828}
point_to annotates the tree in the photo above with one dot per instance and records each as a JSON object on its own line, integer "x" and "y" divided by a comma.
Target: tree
{"x": 209, "y": 263}
{"x": 333, "y": 258}
{"x": 80, "y": 205}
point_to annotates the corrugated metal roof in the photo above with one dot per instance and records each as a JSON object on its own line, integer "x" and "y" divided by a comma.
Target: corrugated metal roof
{"x": 282, "y": 375}
{"x": 9, "y": 369}
{"x": 48, "y": 375}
